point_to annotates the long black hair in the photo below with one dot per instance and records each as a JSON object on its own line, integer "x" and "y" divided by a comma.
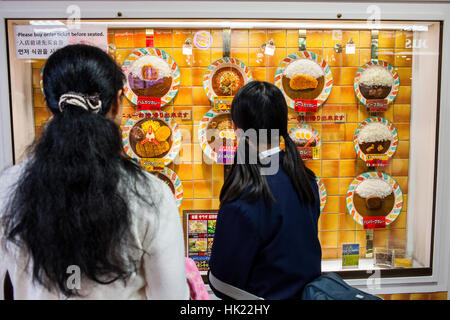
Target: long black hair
{"x": 261, "y": 105}
{"x": 68, "y": 208}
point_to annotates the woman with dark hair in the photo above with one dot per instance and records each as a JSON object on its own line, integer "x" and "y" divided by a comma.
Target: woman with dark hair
{"x": 266, "y": 239}
{"x": 78, "y": 218}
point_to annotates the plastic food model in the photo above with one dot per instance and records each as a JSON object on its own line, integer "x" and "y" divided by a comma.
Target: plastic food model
{"x": 151, "y": 138}
{"x": 375, "y": 138}
{"x": 303, "y": 79}
{"x": 224, "y": 77}
{"x": 373, "y": 197}
{"x": 227, "y": 81}
{"x": 375, "y": 82}
{"x": 374, "y": 194}
{"x": 150, "y": 76}
{"x": 304, "y": 138}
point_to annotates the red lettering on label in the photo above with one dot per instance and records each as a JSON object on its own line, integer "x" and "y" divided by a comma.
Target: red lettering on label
{"x": 148, "y": 103}
{"x": 374, "y": 222}
{"x": 305, "y": 105}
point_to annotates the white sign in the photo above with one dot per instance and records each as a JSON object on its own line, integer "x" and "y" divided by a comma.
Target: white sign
{"x": 39, "y": 42}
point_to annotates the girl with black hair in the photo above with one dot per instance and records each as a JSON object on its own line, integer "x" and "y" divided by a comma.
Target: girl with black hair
{"x": 266, "y": 238}
{"x": 78, "y": 218}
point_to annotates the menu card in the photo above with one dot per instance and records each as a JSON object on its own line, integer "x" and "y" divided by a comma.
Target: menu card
{"x": 199, "y": 227}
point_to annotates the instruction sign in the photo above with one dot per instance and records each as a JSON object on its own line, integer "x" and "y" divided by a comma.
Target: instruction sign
{"x": 40, "y": 41}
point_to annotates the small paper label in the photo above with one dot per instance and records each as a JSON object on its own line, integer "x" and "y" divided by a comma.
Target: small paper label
{"x": 269, "y": 50}
{"x": 374, "y": 222}
{"x": 148, "y": 103}
{"x": 377, "y": 105}
{"x": 350, "y": 48}
{"x": 305, "y": 105}
{"x": 187, "y": 50}
{"x": 222, "y": 103}
{"x": 350, "y": 255}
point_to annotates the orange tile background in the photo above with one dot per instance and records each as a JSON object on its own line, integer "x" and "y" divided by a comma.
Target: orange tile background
{"x": 338, "y": 163}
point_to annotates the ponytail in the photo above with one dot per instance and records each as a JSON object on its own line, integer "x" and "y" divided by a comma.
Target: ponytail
{"x": 300, "y": 175}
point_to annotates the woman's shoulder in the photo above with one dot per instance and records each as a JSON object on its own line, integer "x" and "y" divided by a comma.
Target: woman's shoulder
{"x": 244, "y": 211}
{"x": 12, "y": 173}
{"x": 9, "y": 178}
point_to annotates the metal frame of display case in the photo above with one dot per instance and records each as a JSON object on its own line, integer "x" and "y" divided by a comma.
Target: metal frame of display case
{"x": 438, "y": 280}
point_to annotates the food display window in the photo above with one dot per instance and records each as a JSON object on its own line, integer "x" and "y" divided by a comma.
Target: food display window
{"x": 364, "y": 103}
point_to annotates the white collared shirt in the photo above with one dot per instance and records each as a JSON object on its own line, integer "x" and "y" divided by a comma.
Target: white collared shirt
{"x": 269, "y": 152}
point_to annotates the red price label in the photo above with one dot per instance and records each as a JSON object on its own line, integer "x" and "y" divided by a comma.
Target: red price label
{"x": 376, "y": 160}
{"x": 305, "y": 105}
{"x": 374, "y": 222}
{"x": 377, "y": 105}
{"x": 306, "y": 153}
{"x": 148, "y": 103}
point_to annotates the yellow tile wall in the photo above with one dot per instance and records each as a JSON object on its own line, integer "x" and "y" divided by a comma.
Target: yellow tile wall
{"x": 338, "y": 164}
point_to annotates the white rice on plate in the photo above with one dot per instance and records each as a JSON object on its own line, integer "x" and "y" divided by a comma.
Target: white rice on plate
{"x": 373, "y": 132}
{"x": 156, "y": 62}
{"x": 376, "y": 76}
{"x": 373, "y": 187}
{"x": 304, "y": 67}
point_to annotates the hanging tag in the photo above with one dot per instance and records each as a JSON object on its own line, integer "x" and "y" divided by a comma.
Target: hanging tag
{"x": 187, "y": 49}
{"x": 350, "y": 48}
{"x": 269, "y": 50}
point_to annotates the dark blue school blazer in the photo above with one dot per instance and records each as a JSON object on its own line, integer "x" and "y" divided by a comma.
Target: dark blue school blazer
{"x": 269, "y": 251}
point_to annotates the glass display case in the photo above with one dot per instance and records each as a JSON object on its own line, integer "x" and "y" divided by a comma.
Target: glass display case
{"x": 364, "y": 98}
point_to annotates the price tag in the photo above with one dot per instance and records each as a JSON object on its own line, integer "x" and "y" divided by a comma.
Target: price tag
{"x": 305, "y": 105}
{"x": 225, "y": 154}
{"x": 222, "y": 103}
{"x": 376, "y": 160}
{"x": 153, "y": 164}
{"x": 308, "y": 153}
{"x": 377, "y": 105}
{"x": 148, "y": 103}
{"x": 374, "y": 222}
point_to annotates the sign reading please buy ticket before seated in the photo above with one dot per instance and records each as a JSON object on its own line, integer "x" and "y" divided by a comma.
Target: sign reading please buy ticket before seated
{"x": 40, "y": 41}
